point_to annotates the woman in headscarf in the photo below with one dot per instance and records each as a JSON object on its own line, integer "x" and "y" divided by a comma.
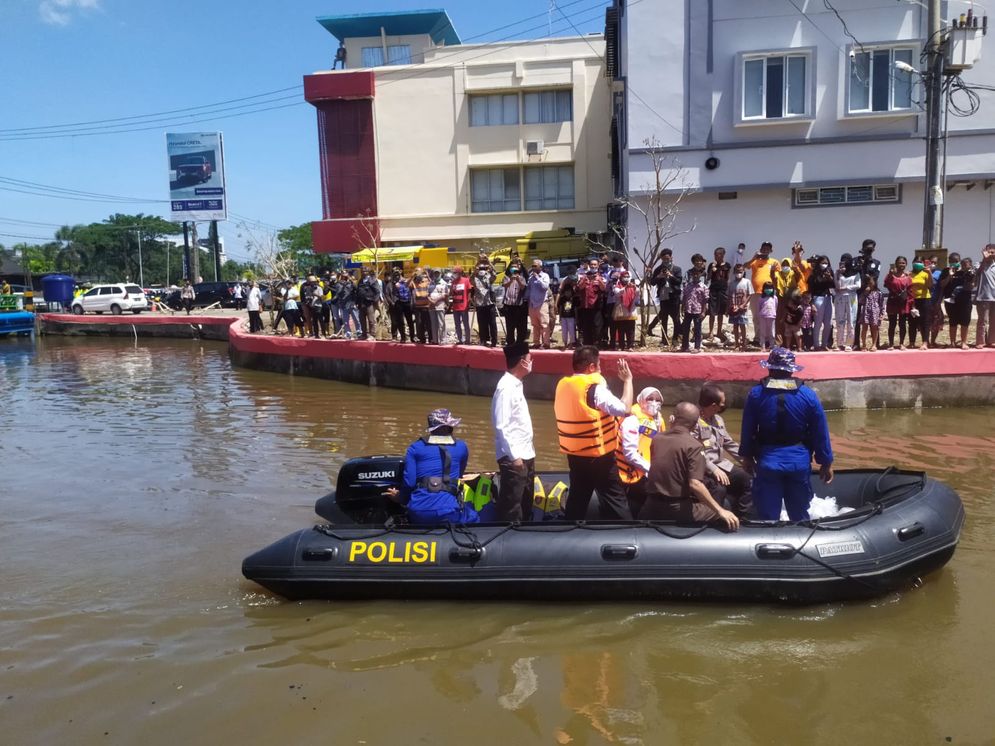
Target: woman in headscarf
{"x": 633, "y": 452}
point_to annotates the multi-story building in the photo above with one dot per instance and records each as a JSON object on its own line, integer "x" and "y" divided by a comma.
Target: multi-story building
{"x": 794, "y": 120}
{"x": 424, "y": 139}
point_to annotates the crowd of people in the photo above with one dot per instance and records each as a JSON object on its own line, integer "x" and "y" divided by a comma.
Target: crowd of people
{"x": 686, "y": 467}
{"x": 797, "y": 302}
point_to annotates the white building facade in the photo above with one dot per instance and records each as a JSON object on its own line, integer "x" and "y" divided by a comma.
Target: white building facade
{"x": 439, "y": 142}
{"x": 788, "y": 125}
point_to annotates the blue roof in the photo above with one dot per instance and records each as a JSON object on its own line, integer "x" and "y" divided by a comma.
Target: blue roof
{"x": 435, "y": 23}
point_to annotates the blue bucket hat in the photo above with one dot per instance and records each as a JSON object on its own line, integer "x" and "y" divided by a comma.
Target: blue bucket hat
{"x": 781, "y": 359}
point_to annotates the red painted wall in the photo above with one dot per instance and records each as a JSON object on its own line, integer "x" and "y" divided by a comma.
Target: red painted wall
{"x": 347, "y": 157}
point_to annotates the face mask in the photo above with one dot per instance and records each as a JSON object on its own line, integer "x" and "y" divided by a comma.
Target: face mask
{"x": 955, "y": 265}
{"x": 918, "y": 266}
{"x": 768, "y": 293}
{"x": 739, "y": 275}
{"x": 652, "y": 407}
{"x": 785, "y": 270}
{"x": 823, "y": 266}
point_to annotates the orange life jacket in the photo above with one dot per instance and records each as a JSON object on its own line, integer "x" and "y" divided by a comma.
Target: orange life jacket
{"x": 583, "y": 431}
{"x": 630, "y": 473}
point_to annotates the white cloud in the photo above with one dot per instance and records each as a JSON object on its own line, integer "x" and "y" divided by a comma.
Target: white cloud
{"x": 60, "y": 12}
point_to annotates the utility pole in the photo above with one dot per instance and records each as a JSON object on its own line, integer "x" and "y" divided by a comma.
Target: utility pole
{"x": 187, "y": 275}
{"x": 932, "y": 224}
{"x": 216, "y": 247}
{"x": 141, "y": 272}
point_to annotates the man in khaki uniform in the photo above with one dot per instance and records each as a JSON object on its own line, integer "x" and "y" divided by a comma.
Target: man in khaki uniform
{"x": 676, "y": 483}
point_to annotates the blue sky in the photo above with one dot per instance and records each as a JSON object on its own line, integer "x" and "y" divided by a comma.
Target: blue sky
{"x": 66, "y": 62}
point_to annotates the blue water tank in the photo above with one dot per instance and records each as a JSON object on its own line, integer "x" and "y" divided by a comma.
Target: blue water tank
{"x": 58, "y": 289}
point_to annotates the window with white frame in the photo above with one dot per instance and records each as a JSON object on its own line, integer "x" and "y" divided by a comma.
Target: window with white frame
{"x": 545, "y": 107}
{"x": 876, "y": 84}
{"x": 397, "y": 54}
{"x": 500, "y": 108}
{"x": 860, "y": 194}
{"x": 549, "y": 188}
{"x": 775, "y": 86}
{"x": 495, "y": 190}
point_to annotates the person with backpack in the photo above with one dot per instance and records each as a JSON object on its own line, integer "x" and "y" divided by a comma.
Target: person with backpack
{"x": 367, "y": 301}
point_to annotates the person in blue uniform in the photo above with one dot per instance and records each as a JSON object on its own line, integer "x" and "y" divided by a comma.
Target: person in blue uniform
{"x": 433, "y": 466}
{"x": 784, "y": 426}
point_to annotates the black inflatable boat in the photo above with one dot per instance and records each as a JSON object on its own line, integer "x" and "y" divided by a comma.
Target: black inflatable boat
{"x": 900, "y": 527}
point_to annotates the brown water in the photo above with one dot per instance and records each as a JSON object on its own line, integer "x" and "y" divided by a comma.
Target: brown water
{"x": 135, "y": 478}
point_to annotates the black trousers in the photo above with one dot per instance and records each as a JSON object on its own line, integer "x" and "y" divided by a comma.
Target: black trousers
{"x": 601, "y": 474}
{"x": 255, "y": 322}
{"x": 669, "y": 309}
{"x": 586, "y": 325}
{"x": 423, "y": 322}
{"x": 737, "y": 497}
{"x": 635, "y": 495}
{"x": 516, "y": 318}
{"x": 487, "y": 324}
{"x": 516, "y": 491}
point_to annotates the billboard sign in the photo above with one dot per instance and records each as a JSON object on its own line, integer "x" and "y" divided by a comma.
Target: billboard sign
{"x": 196, "y": 176}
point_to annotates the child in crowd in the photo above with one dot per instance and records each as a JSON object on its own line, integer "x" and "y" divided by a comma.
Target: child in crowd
{"x": 566, "y": 309}
{"x": 695, "y": 303}
{"x": 807, "y": 322}
{"x": 871, "y": 319}
{"x": 739, "y": 302}
{"x": 768, "y": 316}
{"x": 792, "y": 333}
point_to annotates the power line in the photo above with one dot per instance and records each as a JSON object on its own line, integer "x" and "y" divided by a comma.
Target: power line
{"x": 144, "y": 129}
{"x": 154, "y": 114}
{"x": 122, "y": 125}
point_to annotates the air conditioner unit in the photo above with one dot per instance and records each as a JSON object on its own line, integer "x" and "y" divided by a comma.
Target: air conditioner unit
{"x": 534, "y": 147}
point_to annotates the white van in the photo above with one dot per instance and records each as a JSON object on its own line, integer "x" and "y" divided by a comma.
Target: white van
{"x": 113, "y": 298}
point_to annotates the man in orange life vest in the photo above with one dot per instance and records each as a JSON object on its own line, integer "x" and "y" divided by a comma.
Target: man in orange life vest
{"x": 585, "y": 422}
{"x": 635, "y": 433}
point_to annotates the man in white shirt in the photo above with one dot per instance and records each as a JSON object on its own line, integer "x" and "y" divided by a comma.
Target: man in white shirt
{"x": 513, "y": 437}
{"x": 255, "y": 320}
{"x": 537, "y": 289}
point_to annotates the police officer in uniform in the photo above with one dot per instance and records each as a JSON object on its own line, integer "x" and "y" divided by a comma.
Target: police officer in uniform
{"x": 433, "y": 466}
{"x": 585, "y": 422}
{"x": 784, "y": 425}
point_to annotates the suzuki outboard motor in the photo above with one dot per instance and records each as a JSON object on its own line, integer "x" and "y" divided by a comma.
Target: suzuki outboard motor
{"x": 358, "y": 496}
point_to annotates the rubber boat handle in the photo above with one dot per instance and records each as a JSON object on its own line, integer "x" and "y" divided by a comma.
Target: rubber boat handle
{"x": 775, "y": 551}
{"x": 619, "y": 551}
{"x": 465, "y": 554}
{"x": 911, "y": 532}
{"x": 324, "y": 554}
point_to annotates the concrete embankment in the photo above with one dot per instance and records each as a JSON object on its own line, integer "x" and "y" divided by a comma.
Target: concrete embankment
{"x": 174, "y": 327}
{"x": 854, "y": 380}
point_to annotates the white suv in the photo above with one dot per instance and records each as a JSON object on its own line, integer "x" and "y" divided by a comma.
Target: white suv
{"x": 113, "y": 298}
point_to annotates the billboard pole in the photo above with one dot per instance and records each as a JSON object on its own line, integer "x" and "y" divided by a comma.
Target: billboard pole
{"x": 186, "y": 252}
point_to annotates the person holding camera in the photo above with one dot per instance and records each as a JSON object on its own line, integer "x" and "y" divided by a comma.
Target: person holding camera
{"x": 763, "y": 269}
{"x": 867, "y": 266}
{"x": 956, "y": 284}
{"x": 515, "y": 303}
{"x": 984, "y": 282}
{"x": 668, "y": 279}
